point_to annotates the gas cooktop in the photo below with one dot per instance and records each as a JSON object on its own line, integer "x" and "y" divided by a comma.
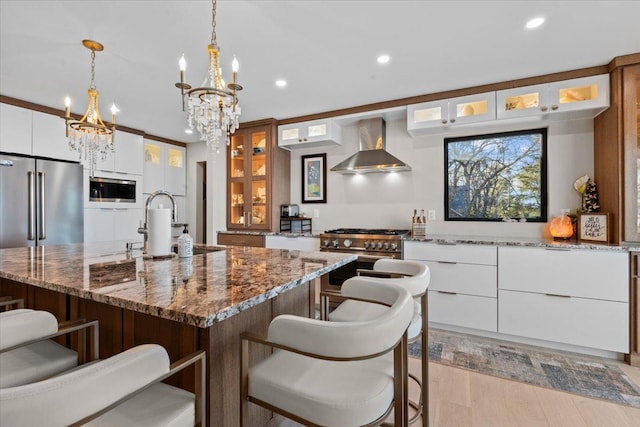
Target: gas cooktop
{"x": 386, "y": 232}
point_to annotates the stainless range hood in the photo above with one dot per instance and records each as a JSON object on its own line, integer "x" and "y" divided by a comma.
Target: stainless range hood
{"x": 372, "y": 156}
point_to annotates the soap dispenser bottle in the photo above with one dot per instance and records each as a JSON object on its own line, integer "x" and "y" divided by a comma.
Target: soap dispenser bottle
{"x": 185, "y": 244}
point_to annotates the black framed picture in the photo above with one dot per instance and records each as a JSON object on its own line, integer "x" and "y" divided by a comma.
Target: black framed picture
{"x": 314, "y": 178}
{"x": 497, "y": 177}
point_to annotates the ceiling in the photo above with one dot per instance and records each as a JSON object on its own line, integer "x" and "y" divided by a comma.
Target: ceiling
{"x": 326, "y": 50}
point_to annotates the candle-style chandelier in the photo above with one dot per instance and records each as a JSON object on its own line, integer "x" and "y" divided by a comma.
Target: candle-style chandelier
{"x": 213, "y": 107}
{"x": 90, "y": 136}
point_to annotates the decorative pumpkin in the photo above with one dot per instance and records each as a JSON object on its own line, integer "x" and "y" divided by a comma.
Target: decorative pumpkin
{"x": 560, "y": 227}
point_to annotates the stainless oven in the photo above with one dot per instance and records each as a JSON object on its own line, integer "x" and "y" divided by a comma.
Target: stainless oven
{"x": 369, "y": 244}
{"x": 112, "y": 190}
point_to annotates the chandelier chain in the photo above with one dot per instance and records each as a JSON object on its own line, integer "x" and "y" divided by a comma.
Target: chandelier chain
{"x": 214, "y": 40}
{"x": 93, "y": 68}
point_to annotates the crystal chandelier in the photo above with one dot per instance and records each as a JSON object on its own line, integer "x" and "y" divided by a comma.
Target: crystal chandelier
{"x": 213, "y": 107}
{"x": 89, "y": 135}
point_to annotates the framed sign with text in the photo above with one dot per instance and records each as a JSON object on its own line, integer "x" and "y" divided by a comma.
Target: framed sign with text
{"x": 594, "y": 227}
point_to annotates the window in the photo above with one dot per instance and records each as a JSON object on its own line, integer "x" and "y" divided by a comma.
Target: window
{"x": 496, "y": 177}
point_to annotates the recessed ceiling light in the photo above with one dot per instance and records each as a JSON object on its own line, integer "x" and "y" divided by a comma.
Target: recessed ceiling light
{"x": 383, "y": 59}
{"x": 535, "y": 22}
{"x": 188, "y": 131}
{"x": 281, "y": 83}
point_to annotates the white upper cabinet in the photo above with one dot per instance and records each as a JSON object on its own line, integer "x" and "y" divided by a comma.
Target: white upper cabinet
{"x": 309, "y": 134}
{"x": 437, "y": 116}
{"x": 164, "y": 168}
{"x": 50, "y": 138}
{"x": 15, "y": 129}
{"x": 175, "y": 170}
{"x": 128, "y": 156}
{"x": 568, "y": 99}
{"x": 580, "y": 98}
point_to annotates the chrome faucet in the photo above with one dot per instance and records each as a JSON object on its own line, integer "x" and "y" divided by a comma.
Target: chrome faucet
{"x": 143, "y": 230}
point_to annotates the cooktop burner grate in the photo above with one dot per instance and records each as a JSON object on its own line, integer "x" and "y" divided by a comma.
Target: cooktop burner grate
{"x": 386, "y": 232}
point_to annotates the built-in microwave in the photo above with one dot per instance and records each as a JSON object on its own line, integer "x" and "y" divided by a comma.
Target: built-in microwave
{"x": 112, "y": 190}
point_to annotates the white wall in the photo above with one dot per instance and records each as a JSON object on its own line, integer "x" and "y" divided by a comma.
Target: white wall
{"x": 216, "y": 188}
{"x": 387, "y": 200}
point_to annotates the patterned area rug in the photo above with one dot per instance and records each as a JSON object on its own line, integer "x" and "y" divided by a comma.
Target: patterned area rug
{"x": 590, "y": 377}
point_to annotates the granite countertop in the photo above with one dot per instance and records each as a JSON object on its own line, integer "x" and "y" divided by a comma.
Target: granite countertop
{"x": 200, "y": 290}
{"x": 520, "y": 241}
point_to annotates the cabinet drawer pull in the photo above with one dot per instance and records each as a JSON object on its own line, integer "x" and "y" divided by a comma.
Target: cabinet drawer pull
{"x": 447, "y": 262}
{"x": 447, "y": 243}
{"x": 558, "y": 249}
{"x": 558, "y": 295}
{"x": 447, "y": 293}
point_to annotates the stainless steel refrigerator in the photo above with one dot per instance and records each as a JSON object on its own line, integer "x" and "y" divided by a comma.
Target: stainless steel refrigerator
{"x": 40, "y": 202}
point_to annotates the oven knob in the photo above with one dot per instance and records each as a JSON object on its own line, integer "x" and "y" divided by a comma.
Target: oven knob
{"x": 326, "y": 243}
{"x": 386, "y": 246}
{"x": 394, "y": 246}
{"x": 335, "y": 243}
{"x": 347, "y": 243}
{"x": 366, "y": 245}
{"x": 379, "y": 245}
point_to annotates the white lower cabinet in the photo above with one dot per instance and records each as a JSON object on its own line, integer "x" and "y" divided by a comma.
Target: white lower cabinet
{"x": 106, "y": 224}
{"x": 463, "y": 286}
{"x": 467, "y": 311}
{"x": 578, "y": 297}
{"x": 569, "y": 320}
{"x": 462, "y": 278}
{"x": 299, "y": 243}
{"x": 574, "y": 297}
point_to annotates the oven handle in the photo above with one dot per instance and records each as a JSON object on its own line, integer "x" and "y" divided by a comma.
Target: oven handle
{"x": 361, "y": 256}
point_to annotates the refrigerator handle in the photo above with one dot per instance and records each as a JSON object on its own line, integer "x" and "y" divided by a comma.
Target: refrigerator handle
{"x": 42, "y": 229}
{"x": 32, "y": 200}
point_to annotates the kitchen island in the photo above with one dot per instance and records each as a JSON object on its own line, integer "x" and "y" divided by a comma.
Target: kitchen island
{"x": 184, "y": 304}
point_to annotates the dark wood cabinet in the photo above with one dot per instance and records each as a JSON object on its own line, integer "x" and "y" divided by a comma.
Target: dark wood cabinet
{"x": 617, "y": 173}
{"x": 258, "y": 175}
{"x": 232, "y": 239}
{"x": 617, "y": 150}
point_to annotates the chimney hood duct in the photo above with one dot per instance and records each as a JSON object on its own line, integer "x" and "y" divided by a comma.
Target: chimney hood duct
{"x": 372, "y": 156}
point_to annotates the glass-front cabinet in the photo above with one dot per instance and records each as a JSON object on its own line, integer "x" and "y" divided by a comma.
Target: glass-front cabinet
{"x": 310, "y": 134}
{"x": 164, "y": 168}
{"x": 247, "y": 183}
{"x": 248, "y": 179}
{"x": 429, "y": 117}
{"x": 588, "y": 94}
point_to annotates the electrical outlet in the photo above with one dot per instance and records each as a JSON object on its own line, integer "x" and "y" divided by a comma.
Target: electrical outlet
{"x": 432, "y": 215}
{"x": 316, "y": 213}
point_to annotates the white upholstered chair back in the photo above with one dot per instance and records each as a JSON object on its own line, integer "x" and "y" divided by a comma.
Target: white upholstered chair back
{"x": 23, "y": 325}
{"x": 70, "y": 397}
{"x": 350, "y": 339}
{"x": 418, "y": 274}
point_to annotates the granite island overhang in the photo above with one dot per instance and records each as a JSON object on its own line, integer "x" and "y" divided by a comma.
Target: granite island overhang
{"x": 184, "y": 304}
{"x": 199, "y": 290}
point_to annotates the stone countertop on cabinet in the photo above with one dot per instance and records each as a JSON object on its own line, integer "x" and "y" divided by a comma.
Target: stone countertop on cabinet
{"x": 520, "y": 241}
{"x": 270, "y": 233}
{"x": 200, "y": 290}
